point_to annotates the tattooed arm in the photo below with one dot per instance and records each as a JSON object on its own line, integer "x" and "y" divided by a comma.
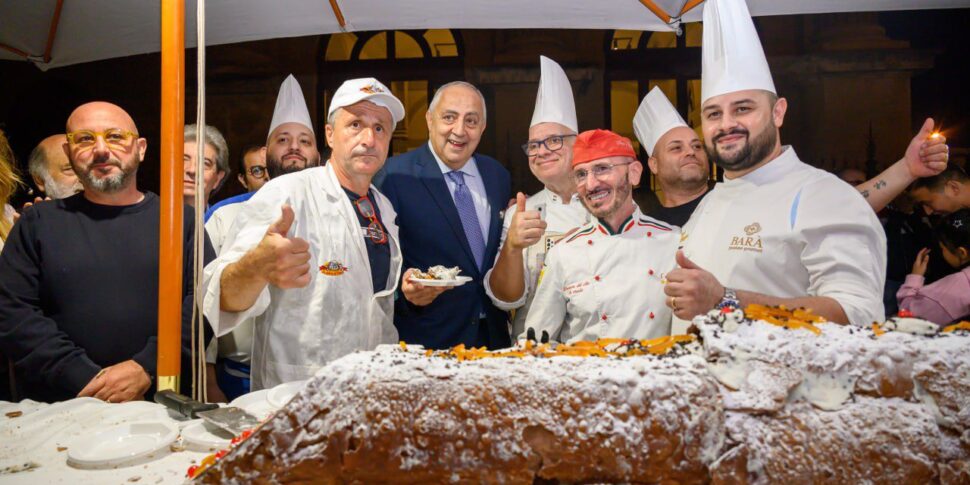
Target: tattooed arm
{"x": 926, "y": 156}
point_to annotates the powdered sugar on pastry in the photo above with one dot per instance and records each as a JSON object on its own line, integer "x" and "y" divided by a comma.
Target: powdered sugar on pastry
{"x": 390, "y": 412}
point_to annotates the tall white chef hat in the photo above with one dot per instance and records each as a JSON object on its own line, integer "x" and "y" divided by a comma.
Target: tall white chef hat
{"x": 290, "y": 106}
{"x": 654, "y": 118}
{"x": 733, "y": 59}
{"x": 554, "y": 103}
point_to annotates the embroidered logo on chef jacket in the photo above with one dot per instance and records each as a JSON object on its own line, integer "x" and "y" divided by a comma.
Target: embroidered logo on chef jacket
{"x": 549, "y": 240}
{"x": 333, "y": 268}
{"x": 750, "y": 241}
{"x": 576, "y": 288}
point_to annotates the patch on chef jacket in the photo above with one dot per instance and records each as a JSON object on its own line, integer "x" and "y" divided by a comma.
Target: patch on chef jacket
{"x": 333, "y": 268}
{"x": 749, "y": 241}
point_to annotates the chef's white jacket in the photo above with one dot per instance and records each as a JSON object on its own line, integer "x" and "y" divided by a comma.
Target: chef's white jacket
{"x": 560, "y": 218}
{"x": 597, "y": 284}
{"x": 791, "y": 230}
{"x": 299, "y": 330}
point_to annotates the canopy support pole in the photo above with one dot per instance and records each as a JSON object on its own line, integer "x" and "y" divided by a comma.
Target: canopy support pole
{"x": 659, "y": 12}
{"x": 689, "y": 6}
{"x": 170, "y": 228}
{"x": 14, "y": 50}
{"x": 52, "y": 33}
{"x": 340, "y": 15}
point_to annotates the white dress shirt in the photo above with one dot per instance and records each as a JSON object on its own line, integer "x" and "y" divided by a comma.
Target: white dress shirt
{"x": 473, "y": 179}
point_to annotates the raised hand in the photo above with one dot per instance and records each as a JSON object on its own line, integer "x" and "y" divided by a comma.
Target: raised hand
{"x": 922, "y": 261}
{"x": 691, "y": 290}
{"x": 928, "y": 153}
{"x": 282, "y": 260}
{"x": 527, "y": 226}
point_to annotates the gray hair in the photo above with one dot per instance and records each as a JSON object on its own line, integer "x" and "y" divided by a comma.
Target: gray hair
{"x": 37, "y": 163}
{"x": 437, "y": 96}
{"x": 214, "y": 139}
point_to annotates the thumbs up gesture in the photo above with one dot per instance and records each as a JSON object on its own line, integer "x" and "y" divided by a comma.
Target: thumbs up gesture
{"x": 283, "y": 260}
{"x": 527, "y": 226}
{"x": 691, "y": 290}
{"x": 928, "y": 153}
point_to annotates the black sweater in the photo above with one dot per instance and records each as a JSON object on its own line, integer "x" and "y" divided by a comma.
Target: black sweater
{"x": 79, "y": 292}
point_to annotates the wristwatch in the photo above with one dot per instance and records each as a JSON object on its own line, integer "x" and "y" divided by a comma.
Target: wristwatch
{"x": 729, "y": 300}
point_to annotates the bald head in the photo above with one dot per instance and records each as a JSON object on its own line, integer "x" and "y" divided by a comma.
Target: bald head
{"x": 104, "y": 153}
{"x": 98, "y": 116}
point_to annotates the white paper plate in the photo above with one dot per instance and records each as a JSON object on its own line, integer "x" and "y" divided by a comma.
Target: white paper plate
{"x": 250, "y": 399}
{"x": 455, "y": 282}
{"x": 255, "y": 403}
{"x": 121, "y": 444}
{"x": 281, "y": 394}
{"x": 205, "y": 436}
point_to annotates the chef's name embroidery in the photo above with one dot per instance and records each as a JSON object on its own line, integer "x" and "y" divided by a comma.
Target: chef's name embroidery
{"x": 333, "y": 268}
{"x": 575, "y": 288}
{"x": 750, "y": 241}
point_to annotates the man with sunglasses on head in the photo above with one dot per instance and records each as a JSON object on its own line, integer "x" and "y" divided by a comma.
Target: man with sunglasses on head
{"x": 535, "y": 223}
{"x": 604, "y": 280}
{"x": 79, "y": 285}
{"x": 314, "y": 255}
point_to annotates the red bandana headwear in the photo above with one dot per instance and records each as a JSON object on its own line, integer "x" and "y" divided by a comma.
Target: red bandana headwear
{"x": 596, "y": 144}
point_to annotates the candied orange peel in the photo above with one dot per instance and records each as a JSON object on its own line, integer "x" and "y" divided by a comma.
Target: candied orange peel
{"x": 783, "y": 317}
{"x": 964, "y": 325}
{"x": 605, "y": 347}
{"x": 196, "y": 470}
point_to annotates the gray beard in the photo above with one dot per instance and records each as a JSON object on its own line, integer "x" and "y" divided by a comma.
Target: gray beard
{"x": 107, "y": 185}
{"x": 754, "y": 151}
{"x": 57, "y": 191}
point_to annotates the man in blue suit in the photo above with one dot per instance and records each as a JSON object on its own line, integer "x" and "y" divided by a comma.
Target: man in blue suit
{"x": 449, "y": 201}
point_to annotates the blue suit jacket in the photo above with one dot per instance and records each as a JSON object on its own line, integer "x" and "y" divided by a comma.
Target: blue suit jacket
{"x": 431, "y": 233}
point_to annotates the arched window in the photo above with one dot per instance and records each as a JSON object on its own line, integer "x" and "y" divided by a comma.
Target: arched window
{"x": 413, "y": 63}
{"x": 636, "y": 61}
{"x": 404, "y": 44}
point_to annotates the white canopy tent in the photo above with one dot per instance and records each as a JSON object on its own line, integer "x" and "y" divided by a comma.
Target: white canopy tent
{"x": 72, "y": 32}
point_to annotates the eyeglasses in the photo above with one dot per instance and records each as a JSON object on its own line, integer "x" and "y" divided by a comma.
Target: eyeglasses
{"x": 86, "y": 139}
{"x": 599, "y": 171}
{"x": 552, "y": 143}
{"x": 374, "y": 230}
{"x": 257, "y": 171}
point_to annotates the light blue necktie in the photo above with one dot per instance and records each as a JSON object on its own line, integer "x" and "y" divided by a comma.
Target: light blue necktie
{"x": 469, "y": 216}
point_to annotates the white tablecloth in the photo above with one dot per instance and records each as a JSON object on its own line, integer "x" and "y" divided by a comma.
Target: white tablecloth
{"x": 38, "y": 436}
